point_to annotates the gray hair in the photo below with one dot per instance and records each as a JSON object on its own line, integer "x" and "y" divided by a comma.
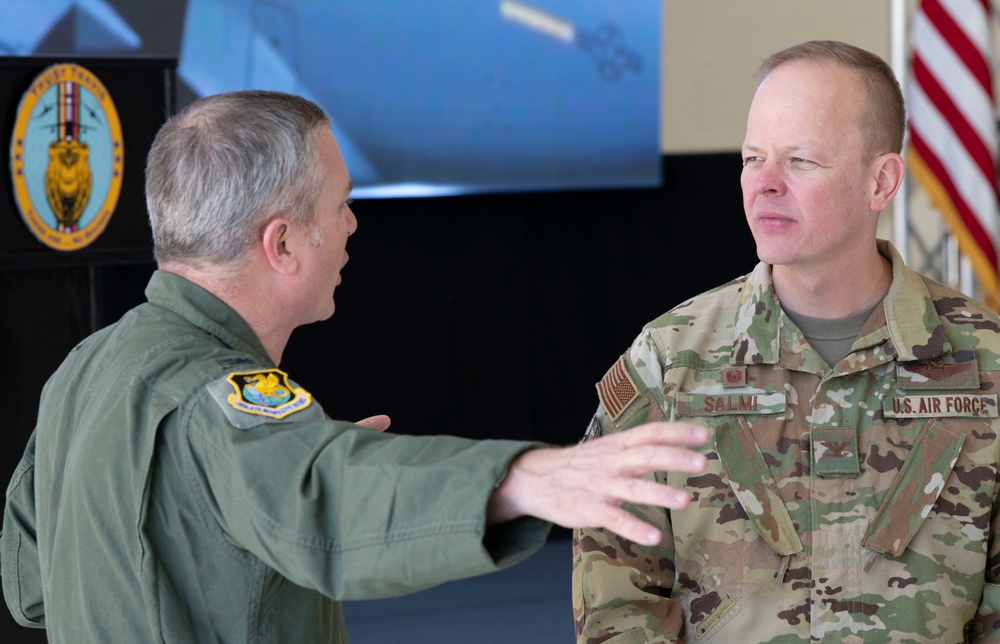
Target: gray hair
{"x": 226, "y": 165}
{"x": 883, "y": 121}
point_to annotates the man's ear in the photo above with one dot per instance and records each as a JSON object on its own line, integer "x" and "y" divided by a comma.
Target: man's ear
{"x": 889, "y": 170}
{"x": 276, "y": 241}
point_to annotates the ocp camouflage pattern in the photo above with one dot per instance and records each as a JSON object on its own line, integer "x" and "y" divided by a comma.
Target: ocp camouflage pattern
{"x": 849, "y": 504}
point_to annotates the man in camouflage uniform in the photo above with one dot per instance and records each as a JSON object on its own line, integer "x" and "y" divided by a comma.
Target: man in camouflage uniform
{"x": 851, "y": 490}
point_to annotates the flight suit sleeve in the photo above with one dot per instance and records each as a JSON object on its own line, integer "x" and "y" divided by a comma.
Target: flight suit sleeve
{"x": 19, "y": 564}
{"x": 354, "y": 513}
{"x": 621, "y": 590}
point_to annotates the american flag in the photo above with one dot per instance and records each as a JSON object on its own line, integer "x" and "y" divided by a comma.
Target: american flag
{"x": 953, "y": 140}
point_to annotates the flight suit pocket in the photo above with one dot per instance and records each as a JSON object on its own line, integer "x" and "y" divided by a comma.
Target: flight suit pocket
{"x": 914, "y": 491}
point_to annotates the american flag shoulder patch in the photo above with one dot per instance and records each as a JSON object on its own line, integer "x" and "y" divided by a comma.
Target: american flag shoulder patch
{"x": 616, "y": 389}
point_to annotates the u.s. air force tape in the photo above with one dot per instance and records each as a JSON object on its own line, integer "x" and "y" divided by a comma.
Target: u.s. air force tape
{"x": 941, "y": 406}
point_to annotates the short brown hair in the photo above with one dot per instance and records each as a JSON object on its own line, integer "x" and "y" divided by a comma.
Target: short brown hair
{"x": 883, "y": 121}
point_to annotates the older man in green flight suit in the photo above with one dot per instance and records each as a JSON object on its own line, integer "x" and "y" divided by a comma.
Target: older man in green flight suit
{"x": 180, "y": 487}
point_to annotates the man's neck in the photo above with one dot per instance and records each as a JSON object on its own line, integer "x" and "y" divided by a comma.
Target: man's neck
{"x": 830, "y": 294}
{"x": 230, "y": 287}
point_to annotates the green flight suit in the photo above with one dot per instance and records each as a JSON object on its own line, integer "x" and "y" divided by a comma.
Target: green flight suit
{"x": 179, "y": 488}
{"x": 850, "y": 503}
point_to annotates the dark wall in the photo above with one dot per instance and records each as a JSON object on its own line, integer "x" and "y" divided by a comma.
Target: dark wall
{"x": 494, "y": 316}
{"x": 489, "y": 316}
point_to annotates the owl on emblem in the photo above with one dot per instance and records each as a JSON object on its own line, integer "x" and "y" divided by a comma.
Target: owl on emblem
{"x": 68, "y": 181}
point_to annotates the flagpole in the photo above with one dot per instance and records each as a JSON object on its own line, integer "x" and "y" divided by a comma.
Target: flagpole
{"x": 901, "y": 202}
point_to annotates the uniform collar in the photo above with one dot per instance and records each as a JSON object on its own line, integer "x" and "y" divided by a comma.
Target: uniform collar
{"x": 907, "y": 321}
{"x": 910, "y": 315}
{"x": 204, "y": 310}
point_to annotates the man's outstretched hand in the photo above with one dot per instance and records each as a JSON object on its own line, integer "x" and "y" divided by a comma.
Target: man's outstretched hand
{"x": 585, "y": 485}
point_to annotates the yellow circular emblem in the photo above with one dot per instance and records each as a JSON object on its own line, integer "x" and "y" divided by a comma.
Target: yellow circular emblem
{"x": 66, "y": 157}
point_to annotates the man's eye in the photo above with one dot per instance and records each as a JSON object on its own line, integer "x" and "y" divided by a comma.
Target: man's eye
{"x": 748, "y": 160}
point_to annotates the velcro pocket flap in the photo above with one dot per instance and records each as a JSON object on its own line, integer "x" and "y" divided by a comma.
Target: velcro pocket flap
{"x": 916, "y": 488}
{"x": 751, "y": 480}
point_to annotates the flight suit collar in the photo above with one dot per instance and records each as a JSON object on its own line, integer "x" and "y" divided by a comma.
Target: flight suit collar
{"x": 907, "y": 322}
{"x": 204, "y": 310}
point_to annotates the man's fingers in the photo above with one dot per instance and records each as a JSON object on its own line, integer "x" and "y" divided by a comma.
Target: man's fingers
{"x": 653, "y": 447}
{"x": 642, "y": 492}
{"x": 379, "y": 423}
{"x": 654, "y": 458}
{"x": 646, "y": 492}
{"x": 678, "y": 433}
{"x": 585, "y": 485}
{"x": 631, "y": 527}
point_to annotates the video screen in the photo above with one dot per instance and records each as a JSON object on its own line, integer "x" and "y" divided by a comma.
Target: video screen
{"x": 427, "y": 98}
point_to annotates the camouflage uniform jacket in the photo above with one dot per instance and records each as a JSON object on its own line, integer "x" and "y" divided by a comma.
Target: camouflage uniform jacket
{"x": 853, "y": 503}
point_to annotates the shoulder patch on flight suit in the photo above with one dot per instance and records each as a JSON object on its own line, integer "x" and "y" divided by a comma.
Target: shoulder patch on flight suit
{"x": 617, "y": 390}
{"x": 267, "y": 394}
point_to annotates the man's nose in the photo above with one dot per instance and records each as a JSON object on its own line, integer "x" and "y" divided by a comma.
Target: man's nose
{"x": 352, "y": 222}
{"x": 769, "y": 178}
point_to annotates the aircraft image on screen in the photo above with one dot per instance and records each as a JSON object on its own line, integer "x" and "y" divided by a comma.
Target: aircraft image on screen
{"x": 427, "y": 98}
{"x": 440, "y": 96}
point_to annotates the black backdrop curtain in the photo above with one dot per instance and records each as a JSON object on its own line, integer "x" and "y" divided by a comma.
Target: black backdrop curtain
{"x": 492, "y": 316}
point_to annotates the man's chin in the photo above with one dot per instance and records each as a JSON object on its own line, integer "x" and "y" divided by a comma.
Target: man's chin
{"x": 326, "y": 313}
{"x": 775, "y": 256}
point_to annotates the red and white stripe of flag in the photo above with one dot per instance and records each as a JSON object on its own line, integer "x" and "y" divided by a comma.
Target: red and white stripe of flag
{"x": 953, "y": 140}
